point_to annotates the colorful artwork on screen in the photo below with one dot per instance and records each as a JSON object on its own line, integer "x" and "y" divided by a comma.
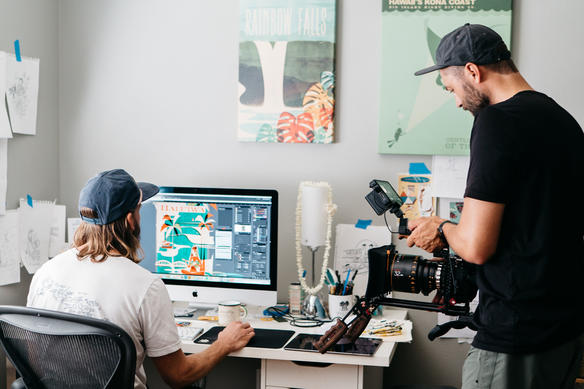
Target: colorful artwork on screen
{"x": 185, "y": 238}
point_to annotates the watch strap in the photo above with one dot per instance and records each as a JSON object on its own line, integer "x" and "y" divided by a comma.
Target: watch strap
{"x": 441, "y": 231}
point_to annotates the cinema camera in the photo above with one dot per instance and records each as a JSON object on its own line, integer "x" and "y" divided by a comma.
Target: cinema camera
{"x": 449, "y": 275}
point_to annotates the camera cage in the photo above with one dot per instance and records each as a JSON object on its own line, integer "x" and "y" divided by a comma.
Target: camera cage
{"x": 379, "y": 282}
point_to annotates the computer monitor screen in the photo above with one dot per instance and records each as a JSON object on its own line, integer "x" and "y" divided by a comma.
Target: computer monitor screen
{"x": 210, "y": 245}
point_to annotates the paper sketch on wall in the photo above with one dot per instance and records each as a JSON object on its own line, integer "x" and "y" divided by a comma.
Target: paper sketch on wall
{"x": 72, "y": 224}
{"x": 3, "y": 174}
{"x": 57, "y": 231}
{"x": 351, "y": 248}
{"x": 9, "y": 258}
{"x": 5, "y": 131}
{"x": 34, "y": 229}
{"x": 22, "y": 89}
{"x": 286, "y": 71}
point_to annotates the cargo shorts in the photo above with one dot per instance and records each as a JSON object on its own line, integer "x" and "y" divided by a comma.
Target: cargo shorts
{"x": 556, "y": 368}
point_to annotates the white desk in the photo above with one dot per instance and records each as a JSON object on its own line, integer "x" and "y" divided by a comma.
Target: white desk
{"x": 279, "y": 371}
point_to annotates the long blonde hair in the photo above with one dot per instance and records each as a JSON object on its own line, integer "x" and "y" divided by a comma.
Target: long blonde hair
{"x": 116, "y": 239}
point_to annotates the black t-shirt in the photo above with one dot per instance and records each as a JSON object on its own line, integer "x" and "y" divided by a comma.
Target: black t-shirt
{"x": 528, "y": 153}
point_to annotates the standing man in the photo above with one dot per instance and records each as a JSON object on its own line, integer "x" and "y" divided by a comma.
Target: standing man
{"x": 520, "y": 223}
{"x": 100, "y": 278}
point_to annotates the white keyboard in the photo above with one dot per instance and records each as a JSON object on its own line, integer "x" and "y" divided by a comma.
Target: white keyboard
{"x": 188, "y": 333}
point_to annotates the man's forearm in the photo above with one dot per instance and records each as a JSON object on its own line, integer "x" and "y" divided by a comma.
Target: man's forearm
{"x": 475, "y": 238}
{"x": 199, "y": 364}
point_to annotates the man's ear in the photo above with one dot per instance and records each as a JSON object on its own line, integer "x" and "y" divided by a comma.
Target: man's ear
{"x": 131, "y": 221}
{"x": 472, "y": 73}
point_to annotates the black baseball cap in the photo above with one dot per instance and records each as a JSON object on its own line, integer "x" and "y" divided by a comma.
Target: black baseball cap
{"x": 112, "y": 194}
{"x": 470, "y": 43}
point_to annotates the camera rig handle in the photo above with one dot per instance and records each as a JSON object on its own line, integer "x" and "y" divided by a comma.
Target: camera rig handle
{"x": 403, "y": 227}
{"x": 349, "y": 332}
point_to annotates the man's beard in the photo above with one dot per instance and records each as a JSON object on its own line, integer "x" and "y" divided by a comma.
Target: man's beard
{"x": 474, "y": 100}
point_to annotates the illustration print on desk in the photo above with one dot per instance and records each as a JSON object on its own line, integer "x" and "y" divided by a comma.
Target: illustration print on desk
{"x": 352, "y": 245}
{"x": 22, "y": 90}
{"x": 9, "y": 258}
{"x": 286, "y": 71}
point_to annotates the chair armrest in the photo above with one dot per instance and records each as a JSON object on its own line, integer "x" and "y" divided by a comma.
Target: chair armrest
{"x": 18, "y": 384}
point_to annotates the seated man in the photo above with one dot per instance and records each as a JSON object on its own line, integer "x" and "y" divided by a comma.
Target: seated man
{"x": 100, "y": 277}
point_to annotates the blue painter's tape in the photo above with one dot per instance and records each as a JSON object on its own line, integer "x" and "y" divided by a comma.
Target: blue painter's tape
{"x": 363, "y": 224}
{"x": 419, "y": 168}
{"x": 29, "y": 200}
{"x": 17, "y": 53}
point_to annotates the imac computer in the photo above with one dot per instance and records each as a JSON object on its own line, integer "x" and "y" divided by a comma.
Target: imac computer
{"x": 210, "y": 245}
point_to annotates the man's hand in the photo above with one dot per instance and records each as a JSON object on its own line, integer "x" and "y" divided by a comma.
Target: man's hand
{"x": 425, "y": 233}
{"x": 236, "y": 335}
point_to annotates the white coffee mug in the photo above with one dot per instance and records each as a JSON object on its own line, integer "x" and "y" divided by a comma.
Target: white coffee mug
{"x": 229, "y": 311}
{"x": 339, "y": 306}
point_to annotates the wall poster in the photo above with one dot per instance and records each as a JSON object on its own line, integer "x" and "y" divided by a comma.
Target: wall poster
{"x": 286, "y": 71}
{"x": 417, "y": 116}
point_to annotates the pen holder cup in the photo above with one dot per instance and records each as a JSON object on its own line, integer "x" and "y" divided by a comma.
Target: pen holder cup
{"x": 339, "y": 306}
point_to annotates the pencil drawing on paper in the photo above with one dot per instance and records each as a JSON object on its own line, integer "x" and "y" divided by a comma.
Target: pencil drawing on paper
{"x": 32, "y": 247}
{"x": 19, "y": 94}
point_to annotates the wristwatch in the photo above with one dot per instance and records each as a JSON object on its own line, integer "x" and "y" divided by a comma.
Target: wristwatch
{"x": 441, "y": 232}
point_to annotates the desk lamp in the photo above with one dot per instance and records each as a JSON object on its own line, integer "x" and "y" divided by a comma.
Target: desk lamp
{"x": 314, "y": 214}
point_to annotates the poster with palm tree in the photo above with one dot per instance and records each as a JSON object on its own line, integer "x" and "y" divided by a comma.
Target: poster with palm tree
{"x": 287, "y": 71}
{"x": 416, "y": 115}
{"x": 185, "y": 238}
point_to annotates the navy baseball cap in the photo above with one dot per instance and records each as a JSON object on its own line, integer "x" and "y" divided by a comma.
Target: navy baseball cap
{"x": 112, "y": 194}
{"x": 470, "y": 43}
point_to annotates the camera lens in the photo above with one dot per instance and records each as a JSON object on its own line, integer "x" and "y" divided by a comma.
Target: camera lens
{"x": 413, "y": 274}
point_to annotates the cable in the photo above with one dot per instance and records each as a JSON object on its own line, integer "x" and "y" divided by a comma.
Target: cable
{"x": 385, "y": 218}
{"x": 303, "y": 321}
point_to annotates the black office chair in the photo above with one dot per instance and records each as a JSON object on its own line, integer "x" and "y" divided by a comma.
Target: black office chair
{"x": 59, "y": 350}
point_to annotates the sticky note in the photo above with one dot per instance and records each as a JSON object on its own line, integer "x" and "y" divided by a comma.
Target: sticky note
{"x": 419, "y": 168}
{"x": 17, "y": 53}
{"x": 363, "y": 224}
{"x": 29, "y": 200}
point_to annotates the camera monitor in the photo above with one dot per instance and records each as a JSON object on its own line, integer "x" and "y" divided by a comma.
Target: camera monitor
{"x": 210, "y": 245}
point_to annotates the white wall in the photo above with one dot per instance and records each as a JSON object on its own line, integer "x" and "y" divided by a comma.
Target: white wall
{"x": 150, "y": 86}
{"x": 33, "y": 161}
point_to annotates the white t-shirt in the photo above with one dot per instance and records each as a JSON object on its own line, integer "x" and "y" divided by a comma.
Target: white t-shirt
{"x": 117, "y": 290}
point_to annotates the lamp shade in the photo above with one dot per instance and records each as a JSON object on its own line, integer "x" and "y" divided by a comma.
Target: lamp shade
{"x": 314, "y": 214}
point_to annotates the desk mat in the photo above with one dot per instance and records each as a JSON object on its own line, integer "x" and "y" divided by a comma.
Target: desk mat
{"x": 264, "y": 338}
{"x": 362, "y": 346}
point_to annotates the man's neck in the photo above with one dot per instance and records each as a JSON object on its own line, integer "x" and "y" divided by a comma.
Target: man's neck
{"x": 504, "y": 86}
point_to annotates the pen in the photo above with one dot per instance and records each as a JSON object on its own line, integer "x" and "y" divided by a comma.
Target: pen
{"x": 346, "y": 281}
{"x": 329, "y": 275}
{"x": 354, "y": 275}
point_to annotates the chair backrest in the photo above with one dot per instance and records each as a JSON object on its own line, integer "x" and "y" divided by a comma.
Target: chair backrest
{"x": 60, "y": 350}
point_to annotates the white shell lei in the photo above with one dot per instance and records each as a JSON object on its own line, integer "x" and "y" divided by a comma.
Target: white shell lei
{"x": 331, "y": 209}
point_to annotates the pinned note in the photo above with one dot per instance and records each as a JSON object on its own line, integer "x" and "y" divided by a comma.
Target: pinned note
{"x": 363, "y": 224}
{"x": 418, "y": 168}
{"x": 17, "y": 50}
